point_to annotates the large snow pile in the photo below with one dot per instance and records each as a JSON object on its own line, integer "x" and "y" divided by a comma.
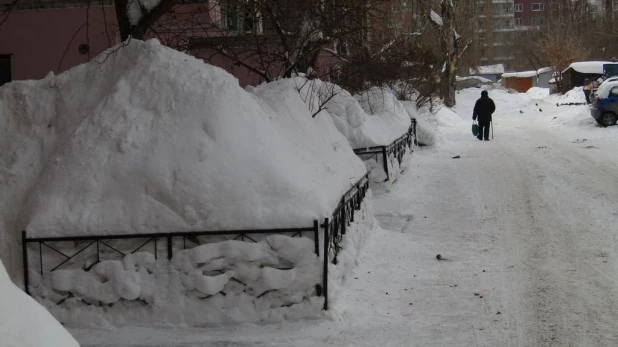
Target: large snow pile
{"x": 375, "y": 118}
{"x": 24, "y": 322}
{"x": 388, "y": 115}
{"x": 427, "y": 133}
{"x": 573, "y": 96}
{"x": 162, "y": 141}
{"x": 538, "y": 93}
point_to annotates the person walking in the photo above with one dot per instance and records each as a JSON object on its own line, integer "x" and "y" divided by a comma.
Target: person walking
{"x": 483, "y": 109}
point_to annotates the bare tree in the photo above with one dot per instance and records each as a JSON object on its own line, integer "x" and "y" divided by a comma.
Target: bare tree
{"x": 271, "y": 38}
{"x": 560, "y": 50}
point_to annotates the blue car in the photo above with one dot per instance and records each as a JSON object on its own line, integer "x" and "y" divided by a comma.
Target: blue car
{"x": 604, "y": 108}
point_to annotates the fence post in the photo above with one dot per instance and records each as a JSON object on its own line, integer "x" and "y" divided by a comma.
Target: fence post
{"x": 169, "y": 247}
{"x": 385, "y": 162}
{"x": 24, "y": 250}
{"x": 325, "y": 274}
{"x": 316, "y": 235}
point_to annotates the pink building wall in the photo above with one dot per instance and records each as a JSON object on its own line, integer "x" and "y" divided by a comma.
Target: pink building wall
{"x": 40, "y": 40}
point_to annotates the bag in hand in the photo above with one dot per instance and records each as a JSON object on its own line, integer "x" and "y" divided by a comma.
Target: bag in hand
{"x": 475, "y": 129}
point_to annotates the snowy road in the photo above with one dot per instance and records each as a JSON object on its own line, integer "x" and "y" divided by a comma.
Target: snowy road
{"x": 527, "y": 225}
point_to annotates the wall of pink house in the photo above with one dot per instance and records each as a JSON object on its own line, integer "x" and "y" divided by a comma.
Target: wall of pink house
{"x": 40, "y": 41}
{"x": 245, "y": 76}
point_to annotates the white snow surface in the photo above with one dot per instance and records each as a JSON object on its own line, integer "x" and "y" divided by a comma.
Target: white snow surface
{"x": 374, "y": 118}
{"x": 388, "y": 117}
{"x": 538, "y": 93}
{"x": 575, "y": 95}
{"x": 161, "y": 141}
{"x": 525, "y": 225}
{"x": 24, "y": 322}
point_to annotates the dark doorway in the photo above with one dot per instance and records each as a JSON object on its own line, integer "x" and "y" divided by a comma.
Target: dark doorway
{"x": 5, "y": 69}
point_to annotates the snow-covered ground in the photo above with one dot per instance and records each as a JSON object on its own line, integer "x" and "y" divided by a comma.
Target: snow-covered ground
{"x": 191, "y": 152}
{"x": 24, "y": 322}
{"x": 525, "y": 227}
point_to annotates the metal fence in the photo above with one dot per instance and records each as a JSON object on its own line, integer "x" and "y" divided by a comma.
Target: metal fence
{"x": 397, "y": 148}
{"x": 335, "y": 226}
{"x": 102, "y": 241}
{"x": 166, "y": 243}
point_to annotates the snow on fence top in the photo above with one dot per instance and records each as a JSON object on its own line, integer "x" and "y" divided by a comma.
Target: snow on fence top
{"x": 593, "y": 67}
{"x": 160, "y": 141}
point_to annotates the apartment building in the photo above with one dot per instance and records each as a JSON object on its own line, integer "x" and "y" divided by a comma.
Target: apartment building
{"x": 496, "y": 30}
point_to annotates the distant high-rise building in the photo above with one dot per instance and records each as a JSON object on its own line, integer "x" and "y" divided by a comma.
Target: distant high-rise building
{"x": 496, "y": 30}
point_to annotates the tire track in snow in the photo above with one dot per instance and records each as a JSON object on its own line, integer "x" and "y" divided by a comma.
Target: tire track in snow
{"x": 543, "y": 238}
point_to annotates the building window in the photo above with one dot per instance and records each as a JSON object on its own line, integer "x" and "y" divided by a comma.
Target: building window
{"x": 240, "y": 17}
{"x": 519, "y": 7}
{"x": 538, "y": 20}
{"x": 6, "y": 75}
{"x": 519, "y": 21}
{"x": 537, "y": 6}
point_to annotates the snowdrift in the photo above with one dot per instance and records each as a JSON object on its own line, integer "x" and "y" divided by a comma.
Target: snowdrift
{"x": 25, "y": 323}
{"x": 573, "y": 96}
{"x": 373, "y": 118}
{"x": 162, "y": 141}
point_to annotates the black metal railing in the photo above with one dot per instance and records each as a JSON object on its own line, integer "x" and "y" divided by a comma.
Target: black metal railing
{"x": 335, "y": 226}
{"x": 102, "y": 241}
{"x": 334, "y": 229}
{"x": 397, "y": 149}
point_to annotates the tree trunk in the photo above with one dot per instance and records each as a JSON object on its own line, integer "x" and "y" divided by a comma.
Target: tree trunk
{"x": 139, "y": 30}
{"x": 449, "y": 48}
{"x": 123, "y": 19}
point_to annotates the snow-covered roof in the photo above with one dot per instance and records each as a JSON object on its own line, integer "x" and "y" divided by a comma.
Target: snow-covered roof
{"x": 592, "y": 67}
{"x": 522, "y": 74}
{"x": 488, "y": 70}
{"x": 478, "y": 78}
{"x": 545, "y": 70}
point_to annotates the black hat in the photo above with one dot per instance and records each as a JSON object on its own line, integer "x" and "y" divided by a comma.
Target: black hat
{"x": 484, "y": 93}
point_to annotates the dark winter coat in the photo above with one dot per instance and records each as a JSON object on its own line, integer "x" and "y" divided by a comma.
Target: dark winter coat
{"x": 483, "y": 109}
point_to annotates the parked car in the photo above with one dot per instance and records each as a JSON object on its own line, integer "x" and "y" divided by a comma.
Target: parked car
{"x": 595, "y": 86}
{"x": 604, "y": 108}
